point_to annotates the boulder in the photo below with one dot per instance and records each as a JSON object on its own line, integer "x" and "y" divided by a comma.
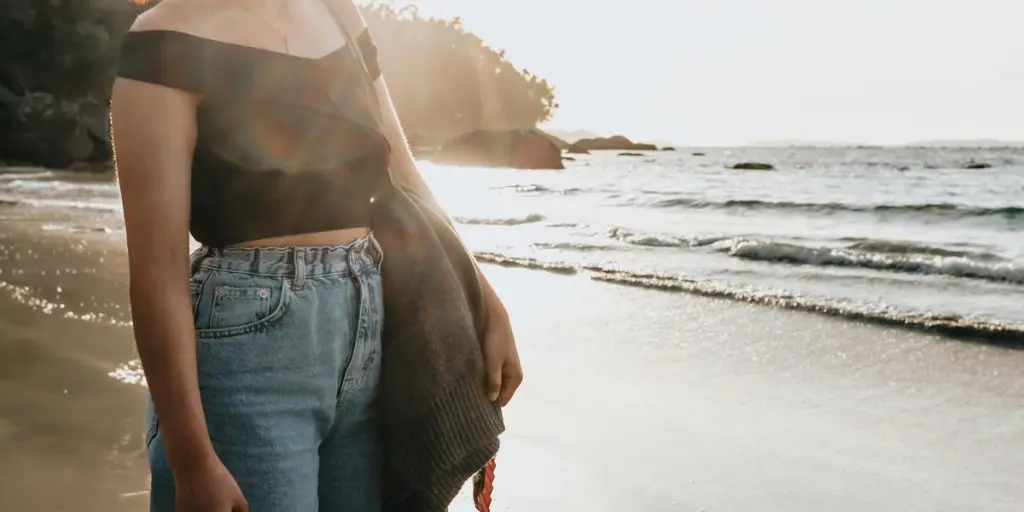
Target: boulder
{"x": 668, "y": 148}
{"x": 40, "y": 132}
{"x": 977, "y": 165}
{"x": 615, "y": 142}
{"x": 752, "y": 166}
{"x": 39, "y": 129}
{"x": 699, "y": 153}
{"x": 95, "y": 118}
{"x": 627, "y": 153}
{"x": 518, "y": 149}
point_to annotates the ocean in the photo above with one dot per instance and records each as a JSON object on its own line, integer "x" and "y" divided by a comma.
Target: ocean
{"x": 894, "y": 235}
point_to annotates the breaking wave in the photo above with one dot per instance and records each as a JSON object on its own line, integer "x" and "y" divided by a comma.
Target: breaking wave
{"x": 945, "y": 209}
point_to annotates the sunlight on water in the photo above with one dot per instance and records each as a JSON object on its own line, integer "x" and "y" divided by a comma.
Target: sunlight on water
{"x": 894, "y": 232}
{"x": 130, "y": 373}
{"x": 25, "y": 295}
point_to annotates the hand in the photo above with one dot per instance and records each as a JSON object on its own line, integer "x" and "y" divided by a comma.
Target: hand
{"x": 209, "y": 488}
{"x": 501, "y": 358}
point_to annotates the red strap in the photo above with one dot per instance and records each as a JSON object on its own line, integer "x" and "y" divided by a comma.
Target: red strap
{"x": 483, "y": 486}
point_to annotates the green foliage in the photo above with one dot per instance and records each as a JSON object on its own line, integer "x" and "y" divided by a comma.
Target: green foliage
{"x": 444, "y": 80}
{"x": 64, "y": 47}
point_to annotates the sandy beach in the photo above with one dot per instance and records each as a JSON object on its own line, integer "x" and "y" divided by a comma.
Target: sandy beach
{"x": 634, "y": 399}
{"x": 758, "y": 256}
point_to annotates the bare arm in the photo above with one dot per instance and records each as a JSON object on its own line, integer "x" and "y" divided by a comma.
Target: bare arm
{"x": 154, "y": 132}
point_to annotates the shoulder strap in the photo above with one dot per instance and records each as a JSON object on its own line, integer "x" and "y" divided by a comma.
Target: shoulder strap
{"x": 162, "y": 57}
{"x": 366, "y": 51}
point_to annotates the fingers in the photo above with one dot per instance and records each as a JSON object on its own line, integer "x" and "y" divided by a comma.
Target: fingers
{"x": 494, "y": 371}
{"x": 512, "y": 377}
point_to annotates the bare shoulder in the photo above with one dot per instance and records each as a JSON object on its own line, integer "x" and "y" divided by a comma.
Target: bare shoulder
{"x": 139, "y": 97}
{"x": 204, "y": 18}
{"x": 166, "y": 15}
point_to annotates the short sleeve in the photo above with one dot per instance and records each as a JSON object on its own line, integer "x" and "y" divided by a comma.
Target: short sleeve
{"x": 369, "y": 52}
{"x": 160, "y": 57}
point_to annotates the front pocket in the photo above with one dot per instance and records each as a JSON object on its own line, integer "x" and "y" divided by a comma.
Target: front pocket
{"x": 236, "y": 304}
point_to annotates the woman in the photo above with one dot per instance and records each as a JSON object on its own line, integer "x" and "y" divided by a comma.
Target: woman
{"x": 230, "y": 122}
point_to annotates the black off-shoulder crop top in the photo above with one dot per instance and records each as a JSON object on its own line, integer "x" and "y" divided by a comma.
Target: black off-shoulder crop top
{"x": 286, "y": 145}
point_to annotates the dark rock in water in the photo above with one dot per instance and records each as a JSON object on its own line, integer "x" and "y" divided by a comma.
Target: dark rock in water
{"x": 615, "y": 142}
{"x": 630, "y": 154}
{"x": 95, "y": 119}
{"x": 699, "y": 153}
{"x": 668, "y": 148}
{"x": 752, "y": 166}
{"x": 977, "y": 165}
{"x": 39, "y": 129}
{"x": 568, "y": 159}
{"x": 519, "y": 149}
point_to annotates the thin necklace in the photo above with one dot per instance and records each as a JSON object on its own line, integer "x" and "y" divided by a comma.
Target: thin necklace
{"x": 284, "y": 36}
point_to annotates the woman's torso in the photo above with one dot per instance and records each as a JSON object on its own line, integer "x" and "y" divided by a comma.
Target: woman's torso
{"x": 287, "y": 148}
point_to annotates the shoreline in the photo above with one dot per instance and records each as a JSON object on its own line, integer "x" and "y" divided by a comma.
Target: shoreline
{"x": 954, "y": 328}
{"x": 988, "y": 319}
{"x": 959, "y": 329}
{"x": 636, "y": 401}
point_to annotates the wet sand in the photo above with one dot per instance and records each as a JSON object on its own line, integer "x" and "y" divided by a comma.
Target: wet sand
{"x": 634, "y": 400}
{"x": 70, "y": 436}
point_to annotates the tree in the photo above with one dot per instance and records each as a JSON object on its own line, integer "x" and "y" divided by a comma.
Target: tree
{"x": 445, "y": 81}
{"x": 67, "y": 48}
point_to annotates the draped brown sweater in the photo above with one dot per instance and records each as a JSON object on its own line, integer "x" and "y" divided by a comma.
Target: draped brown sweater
{"x": 439, "y": 427}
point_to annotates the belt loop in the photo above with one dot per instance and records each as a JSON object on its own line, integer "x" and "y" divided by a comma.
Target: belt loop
{"x": 353, "y": 252}
{"x": 195, "y": 258}
{"x": 379, "y": 252}
{"x": 299, "y": 262}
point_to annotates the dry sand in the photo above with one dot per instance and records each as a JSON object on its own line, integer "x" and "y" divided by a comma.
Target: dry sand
{"x": 634, "y": 401}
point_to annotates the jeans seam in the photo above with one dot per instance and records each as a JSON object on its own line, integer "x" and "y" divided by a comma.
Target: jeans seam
{"x": 152, "y": 431}
{"x": 359, "y": 342}
{"x": 380, "y": 252}
{"x": 202, "y": 276}
{"x": 344, "y": 273}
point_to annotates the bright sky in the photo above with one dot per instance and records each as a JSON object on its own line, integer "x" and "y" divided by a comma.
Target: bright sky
{"x": 737, "y": 71}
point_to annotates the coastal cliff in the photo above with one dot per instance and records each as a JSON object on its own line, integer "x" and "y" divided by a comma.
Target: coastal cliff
{"x": 60, "y": 58}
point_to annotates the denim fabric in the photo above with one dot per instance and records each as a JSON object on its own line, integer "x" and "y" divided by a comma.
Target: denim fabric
{"x": 288, "y": 356}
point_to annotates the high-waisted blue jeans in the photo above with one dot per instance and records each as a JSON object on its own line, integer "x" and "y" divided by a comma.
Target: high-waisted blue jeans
{"x": 288, "y": 353}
